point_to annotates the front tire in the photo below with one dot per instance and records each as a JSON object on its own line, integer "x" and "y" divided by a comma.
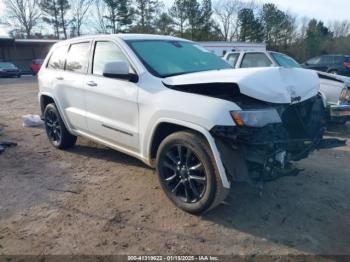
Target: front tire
{"x": 56, "y": 130}
{"x": 188, "y": 174}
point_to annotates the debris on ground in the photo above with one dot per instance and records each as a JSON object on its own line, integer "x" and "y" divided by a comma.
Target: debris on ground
{"x": 6, "y": 144}
{"x": 32, "y": 121}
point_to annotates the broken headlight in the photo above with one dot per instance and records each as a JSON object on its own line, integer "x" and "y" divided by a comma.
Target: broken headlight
{"x": 344, "y": 96}
{"x": 256, "y": 118}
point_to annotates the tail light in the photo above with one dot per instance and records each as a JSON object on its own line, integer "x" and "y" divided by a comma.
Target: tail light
{"x": 347, "y": 64}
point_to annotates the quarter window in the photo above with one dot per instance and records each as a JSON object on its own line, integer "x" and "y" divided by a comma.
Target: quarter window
{"x": 255, "y": 60}
{"x": 57, "y": 58}
{"x": 78, "y": 57}
{"x": 314, "y": 61}
{"x": 106, "y": 52}
{"x": 232, "y": 59}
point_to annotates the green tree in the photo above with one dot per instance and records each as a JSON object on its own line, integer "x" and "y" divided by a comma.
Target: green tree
{"x": 119, "y": 15}
{"x": 194, "y": 17}
{"x": 206, "y": 23}
{"x": 165, "y": 24}
{"x": 317, "y": 37}
{"x": 179, "y": 16}
{"x": 250, "y": 27}
{"x": 145, "y": 13}
{"x": 278, "y": 26}
{"x": 50, "y": 11}
{"x": 55, "y": 13}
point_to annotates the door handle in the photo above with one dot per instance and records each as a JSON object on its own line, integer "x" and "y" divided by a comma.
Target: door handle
{"x": 91, "y": 83}
{"x": 59, "y": 78}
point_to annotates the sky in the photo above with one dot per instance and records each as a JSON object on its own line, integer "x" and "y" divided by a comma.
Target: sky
{"x": 326, "y": 10}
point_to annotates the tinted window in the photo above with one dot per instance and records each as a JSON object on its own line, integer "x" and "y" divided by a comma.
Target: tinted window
{"x": 255, "y": 60}
{"x": 314, "y": 61}
{"x": 165, "y": 58}
{"x": 326, "y": 60}
{"x": 232, "y": 59}
{"x": 78, "y": 57}
{"x": 339, "y": 59}
{"x": 7, "y": 66}
{"x": 106, "y": 52}
{"x": 57, "y": 58}
{"x": 347, "y": 59}
{"x": 284, "y": 60}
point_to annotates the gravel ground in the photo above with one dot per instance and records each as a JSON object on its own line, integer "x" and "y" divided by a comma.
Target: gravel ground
{"x": 93, "y": 200}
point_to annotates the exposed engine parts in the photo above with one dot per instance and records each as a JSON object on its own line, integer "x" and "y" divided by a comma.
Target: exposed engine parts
{"x": 270, "y": 150}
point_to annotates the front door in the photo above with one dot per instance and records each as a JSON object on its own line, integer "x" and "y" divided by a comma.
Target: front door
{"x": 112, "y": 109}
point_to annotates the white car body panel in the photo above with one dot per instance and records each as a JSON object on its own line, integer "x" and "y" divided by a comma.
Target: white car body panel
{"x": 275, "y": 85}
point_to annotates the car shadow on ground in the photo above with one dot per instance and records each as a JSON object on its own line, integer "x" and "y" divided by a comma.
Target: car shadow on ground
{"x": 305, "y": 213}
{"x": 91, "y": 149}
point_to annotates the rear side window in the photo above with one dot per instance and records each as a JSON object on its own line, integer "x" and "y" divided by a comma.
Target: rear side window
{"x": 314, "y": 61}
{"x": 255, "y": 60}
{"x": 106, "y": 52}
{"x": 57, "y": 58}
{"x": 78, "y": 57}
{"x": 347, "y": 59}
{"x": 232, "y": 59}
{"x": 339, "y": 59}
{"x": 326, "y": 60}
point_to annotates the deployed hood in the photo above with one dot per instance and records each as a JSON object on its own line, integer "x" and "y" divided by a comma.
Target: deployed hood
{"x": 274, "y": 85}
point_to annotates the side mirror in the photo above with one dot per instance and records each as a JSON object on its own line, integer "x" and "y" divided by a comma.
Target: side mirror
{"x": 120, "y": 70}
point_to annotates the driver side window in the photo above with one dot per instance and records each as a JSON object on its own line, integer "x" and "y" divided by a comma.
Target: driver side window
{"x": 106, "y": 52}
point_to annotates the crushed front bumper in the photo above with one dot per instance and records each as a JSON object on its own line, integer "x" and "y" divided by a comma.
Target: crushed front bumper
{"x": 339, "y": 113}
{"x": 264, "y": 154}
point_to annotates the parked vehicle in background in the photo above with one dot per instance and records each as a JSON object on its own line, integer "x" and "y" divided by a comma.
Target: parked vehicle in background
{"x": 333, "y": 64}
{"x": 183, "y": 110}
{"x": 9, "y": 70}
{"x": 334, "y": 90}
{"x": 221, "y": 48}
{"x": 36, "y": 65}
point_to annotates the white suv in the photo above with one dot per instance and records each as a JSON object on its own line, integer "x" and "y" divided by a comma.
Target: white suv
{"x": 182, "y": 110}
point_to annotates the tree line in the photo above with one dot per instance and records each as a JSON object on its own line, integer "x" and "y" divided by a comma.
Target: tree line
{"x": 198, "y": 20}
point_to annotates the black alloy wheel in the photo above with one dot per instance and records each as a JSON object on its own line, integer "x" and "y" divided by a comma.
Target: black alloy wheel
{"x": 53, "y": 127}
{"x": 56, "y": 131}
{"x": 183, "y": 174}
{"x": 188, "y": 174}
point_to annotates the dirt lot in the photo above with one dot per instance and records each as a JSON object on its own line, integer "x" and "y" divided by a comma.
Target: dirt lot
{"x": 93, "y": 200}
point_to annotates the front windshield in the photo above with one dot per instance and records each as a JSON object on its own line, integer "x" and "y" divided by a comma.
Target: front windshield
{"x": 164, "y": 58}
{"x": 7, "y": 66}
{"x": 284, "y": 60}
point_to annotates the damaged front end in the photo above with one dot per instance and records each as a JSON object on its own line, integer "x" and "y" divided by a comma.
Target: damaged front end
{"x": 266, "y": 140}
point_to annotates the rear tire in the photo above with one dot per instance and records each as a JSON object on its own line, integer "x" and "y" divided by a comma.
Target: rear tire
{"x": 188, "y": 174}
{"x": 333, "y": 72}
{"x": 56, "y": 130}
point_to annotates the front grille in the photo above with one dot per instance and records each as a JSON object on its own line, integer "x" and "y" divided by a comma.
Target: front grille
{"x": 305, "y": 119}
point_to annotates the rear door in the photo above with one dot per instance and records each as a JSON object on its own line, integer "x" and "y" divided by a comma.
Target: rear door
{"x": 71, "y": 92}
{"x": 66, "y": 88}
{"x": 112, "y": 109}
